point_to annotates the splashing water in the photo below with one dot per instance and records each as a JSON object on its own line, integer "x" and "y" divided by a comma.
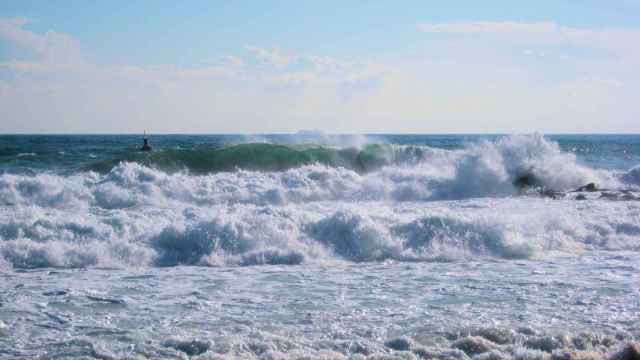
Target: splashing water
{"x": 388, "y": 246}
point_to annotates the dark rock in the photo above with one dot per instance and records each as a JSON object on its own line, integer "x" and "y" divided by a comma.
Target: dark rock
{"x": 607, "y": 341}
{"x": 622, "y": 336}
{"x": 259, "y": 347}
{"x": 55, "y": 293}
{"x": 191, "y": 348}
{"x": 590, "y": 187}
{"x": 580, "y": 197}
{"x": 630, "y": 351}
{"x": 525, "y": 181}
{"x": 400, "y": 344}
{"x": 473, "y": 345}
{"x": 424, "y": 353}
{"x": 526, "y": 331}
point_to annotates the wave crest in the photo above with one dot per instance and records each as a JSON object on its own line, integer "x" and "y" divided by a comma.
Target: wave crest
{"x": 268, "y": 157}
{"x": 136, "y": 215}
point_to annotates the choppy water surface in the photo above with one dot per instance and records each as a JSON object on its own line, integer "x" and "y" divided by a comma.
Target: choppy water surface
{"x": 304, "y": 247}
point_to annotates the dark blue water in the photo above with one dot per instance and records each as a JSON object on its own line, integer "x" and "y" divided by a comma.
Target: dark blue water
{"x": 70, "y": 153}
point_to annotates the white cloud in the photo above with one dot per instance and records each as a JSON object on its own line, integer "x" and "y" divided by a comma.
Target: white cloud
{"x": 620, "y": 40}
{"x": 465, "y": 87}
{"x": 490, "y": 27}
{"x": 229, "y": 60}
{"x": 51, "y": 47}
{"x": 271, "y": 57}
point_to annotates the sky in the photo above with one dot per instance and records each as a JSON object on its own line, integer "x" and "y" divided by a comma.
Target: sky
{"x": 562, "y": 66}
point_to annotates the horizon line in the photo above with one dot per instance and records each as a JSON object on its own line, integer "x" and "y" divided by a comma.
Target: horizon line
{"x": 309, "y": 134}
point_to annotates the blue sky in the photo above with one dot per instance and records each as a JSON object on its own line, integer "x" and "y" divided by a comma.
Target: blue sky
{"x": 151, "y": 32}
{"x": 358, "y": 66}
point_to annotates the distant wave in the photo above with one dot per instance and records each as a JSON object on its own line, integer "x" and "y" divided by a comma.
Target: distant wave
{"x": 485, "y": 168}
{"x": 278, "y": 174}
{"x": 268, "y": 157}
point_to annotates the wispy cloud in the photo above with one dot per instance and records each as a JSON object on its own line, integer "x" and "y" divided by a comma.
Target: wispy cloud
{"x": 271, "y": 57}
{"x": 468, "y": 86}
{"x": 51, "y": 47}
{"x": 491, "y": 27}
{"x": 620, "y": 40}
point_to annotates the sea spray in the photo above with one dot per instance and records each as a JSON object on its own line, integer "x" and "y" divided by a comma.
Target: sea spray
{"x": 245, "y": 234}
{"x": 400, "y": 247}
{"x": 417, "y": 203}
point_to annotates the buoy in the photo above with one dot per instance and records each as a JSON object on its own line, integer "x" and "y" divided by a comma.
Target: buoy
{"x": 145, "y": 144}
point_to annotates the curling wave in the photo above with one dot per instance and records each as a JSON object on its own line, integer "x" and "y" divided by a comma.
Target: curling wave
{"x": 268, "y": 157}
{"x": 430, "y": 204}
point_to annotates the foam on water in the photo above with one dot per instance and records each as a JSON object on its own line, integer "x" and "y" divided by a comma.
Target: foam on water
{"x": 355, "y": 249}
{"x": 441, "y": 204}
{"x": 471, "y": 309}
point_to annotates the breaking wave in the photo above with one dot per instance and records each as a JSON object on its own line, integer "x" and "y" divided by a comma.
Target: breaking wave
{"x": 269, "y": 157}
{"x": 271, "y": 204}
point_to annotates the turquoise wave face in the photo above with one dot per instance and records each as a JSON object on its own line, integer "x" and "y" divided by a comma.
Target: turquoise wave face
{"x": 267, "y": 157}
{"x": 28, "y": 154}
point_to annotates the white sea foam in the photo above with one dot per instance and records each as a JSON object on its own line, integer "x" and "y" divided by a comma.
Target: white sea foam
{"x": 632, "y": 176}
{"x": 447, "y": 204}
{"x": 316, "y": 138}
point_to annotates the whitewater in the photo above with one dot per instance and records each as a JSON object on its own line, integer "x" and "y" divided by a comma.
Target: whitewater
{"x": 307, "y": 247}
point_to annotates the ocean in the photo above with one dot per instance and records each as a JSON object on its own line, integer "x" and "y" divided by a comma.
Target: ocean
{"x": 314, "y": 246}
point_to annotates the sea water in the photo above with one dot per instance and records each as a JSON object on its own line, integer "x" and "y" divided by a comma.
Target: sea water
{"x": 318, "y": 246}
